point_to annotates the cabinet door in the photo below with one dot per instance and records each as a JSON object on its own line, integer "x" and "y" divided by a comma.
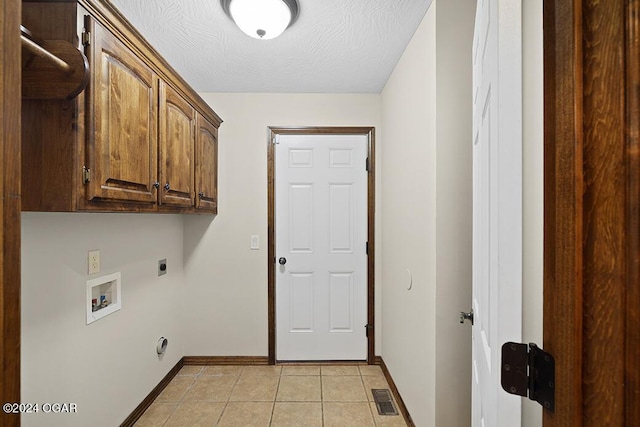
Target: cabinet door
{"x": 206, "y": 166}
{"x": 122, "y": 122}
{"x": 177, "y": 127}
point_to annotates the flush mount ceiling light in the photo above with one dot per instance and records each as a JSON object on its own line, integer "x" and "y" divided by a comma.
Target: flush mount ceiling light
{"x": 262, "y": 19}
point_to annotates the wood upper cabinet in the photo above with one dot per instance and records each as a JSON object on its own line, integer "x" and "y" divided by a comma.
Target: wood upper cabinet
{"x": 177, "y": 140}
{"x": 138, "y": 139}
{"x": 206, "y": 166}
{"x": 122, "y": 127}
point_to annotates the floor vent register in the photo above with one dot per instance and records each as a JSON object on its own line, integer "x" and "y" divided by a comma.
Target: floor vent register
{"x": 383, "y": 400}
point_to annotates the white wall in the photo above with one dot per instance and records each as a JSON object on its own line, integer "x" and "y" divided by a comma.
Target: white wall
{"x": 108, "y": 367}
{"x": 426, "y": 162}
{"x": 226, "y": 293}
{"x": 454, "y": 39}
{"x": 533, "y": 187}
{"x": 409, "y": 223}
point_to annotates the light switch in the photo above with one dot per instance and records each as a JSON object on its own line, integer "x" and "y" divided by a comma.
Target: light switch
{"x": 255, "y": 242}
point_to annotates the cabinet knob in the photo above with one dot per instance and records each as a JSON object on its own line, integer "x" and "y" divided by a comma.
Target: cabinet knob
{"x": 167, "y": 186}
{"x": 201, "y": 195}
{"x": 156, "y": 185}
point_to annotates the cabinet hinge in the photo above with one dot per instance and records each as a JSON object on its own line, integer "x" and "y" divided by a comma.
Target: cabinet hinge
{"x": 368, "y": 327}
{"x": 86, "y": 37}
{"x": 529, "y": 371}
{"x": 86, "y": 175}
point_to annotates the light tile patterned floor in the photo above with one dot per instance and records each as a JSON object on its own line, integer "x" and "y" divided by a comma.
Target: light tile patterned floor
{"x": 301, "y": 396}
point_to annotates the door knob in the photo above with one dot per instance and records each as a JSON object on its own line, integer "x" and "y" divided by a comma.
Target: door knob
{"x": 466, "y": 316}
{"x": 282, "y": 260}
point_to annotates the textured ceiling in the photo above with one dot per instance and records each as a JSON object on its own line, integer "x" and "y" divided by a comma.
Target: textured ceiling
{"x": 335, "y": 46}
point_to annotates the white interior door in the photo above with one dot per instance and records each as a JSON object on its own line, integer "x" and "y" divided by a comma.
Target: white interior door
{"x": 497, "y": 205}
{"x": 321, "y": 231}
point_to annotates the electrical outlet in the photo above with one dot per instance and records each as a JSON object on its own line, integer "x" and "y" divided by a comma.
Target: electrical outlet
{"x": 94, "y": 262}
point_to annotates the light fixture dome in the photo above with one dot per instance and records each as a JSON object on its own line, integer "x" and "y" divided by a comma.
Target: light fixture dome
{"x": 262, "y": 19}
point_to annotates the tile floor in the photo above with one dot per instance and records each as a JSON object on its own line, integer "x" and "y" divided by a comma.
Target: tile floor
{"x": 302, "y": 396}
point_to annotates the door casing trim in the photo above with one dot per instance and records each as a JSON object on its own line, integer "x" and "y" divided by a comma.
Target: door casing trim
{"x": 272, "y": 131}
{"x": 592, "y": 210}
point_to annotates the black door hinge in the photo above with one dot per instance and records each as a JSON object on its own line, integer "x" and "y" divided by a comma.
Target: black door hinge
{"x": 529, "y": 371}
{"x": 368, "y": 327}
{"x": 367, "y": 165}
{"x": 367, "y": 248}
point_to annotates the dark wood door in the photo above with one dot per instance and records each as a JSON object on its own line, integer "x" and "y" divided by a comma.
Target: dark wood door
{"x": 177, "y": 140}
{"x": 206, "y": 165}
{"x": 122, "y": 122}
{"x": 592, "y": 210}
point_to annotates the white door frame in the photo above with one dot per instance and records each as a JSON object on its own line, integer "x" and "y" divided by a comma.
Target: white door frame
{"x": 271, "y": 252}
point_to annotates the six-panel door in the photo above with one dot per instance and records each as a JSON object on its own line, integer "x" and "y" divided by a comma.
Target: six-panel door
{"x": 497, "y": 206}
{"x": 321, "y": 235}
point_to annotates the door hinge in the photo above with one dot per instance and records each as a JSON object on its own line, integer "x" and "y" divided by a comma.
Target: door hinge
{"x": 276, "y": 139}
{"x": 86, "y": 37}
{"x": 367, "y": 248}
{"x": 367, "y": 164}
{"x": 529, "y": 371}
{"x": 368, "y": 327}
{"x": 86, "y": 175}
